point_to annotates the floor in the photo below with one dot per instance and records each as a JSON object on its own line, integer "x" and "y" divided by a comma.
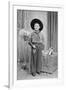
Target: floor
{"x": 23, "y": 75}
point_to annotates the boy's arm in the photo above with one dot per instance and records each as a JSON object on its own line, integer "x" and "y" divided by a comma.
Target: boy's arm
{"x": 30, "y": 43}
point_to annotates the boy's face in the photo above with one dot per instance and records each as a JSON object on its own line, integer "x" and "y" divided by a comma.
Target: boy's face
{"x": 36, "y": 27}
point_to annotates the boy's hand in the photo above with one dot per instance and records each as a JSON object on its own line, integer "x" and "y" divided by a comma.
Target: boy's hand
{"x": 34, "y": 50}
{"x": 34, "y": 46}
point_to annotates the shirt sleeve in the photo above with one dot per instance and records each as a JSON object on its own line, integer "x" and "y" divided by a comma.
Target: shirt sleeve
{"x": 30, "y": 40}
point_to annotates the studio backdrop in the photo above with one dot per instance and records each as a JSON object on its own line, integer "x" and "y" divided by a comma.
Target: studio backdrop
{"x": 50, "y": 34}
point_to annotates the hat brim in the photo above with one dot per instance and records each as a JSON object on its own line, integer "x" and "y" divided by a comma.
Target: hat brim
{"x": 36, "y": 21}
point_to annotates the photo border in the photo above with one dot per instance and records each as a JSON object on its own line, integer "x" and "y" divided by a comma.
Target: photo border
{"x": 13, "y": 42}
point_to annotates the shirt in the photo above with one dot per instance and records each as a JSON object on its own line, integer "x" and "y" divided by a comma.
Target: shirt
{"x": 35, "y": 38}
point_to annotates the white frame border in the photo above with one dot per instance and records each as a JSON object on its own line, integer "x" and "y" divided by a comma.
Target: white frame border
{"x": 12, "y": 43}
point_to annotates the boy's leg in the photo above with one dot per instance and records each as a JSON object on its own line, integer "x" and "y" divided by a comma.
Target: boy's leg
{"x": 33, "y": 63}
{"x": 39, "y": 61}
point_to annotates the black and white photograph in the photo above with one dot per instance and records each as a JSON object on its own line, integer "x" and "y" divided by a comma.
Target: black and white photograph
{"x": 37, "y": 44}
{"x": 33, "y": 45}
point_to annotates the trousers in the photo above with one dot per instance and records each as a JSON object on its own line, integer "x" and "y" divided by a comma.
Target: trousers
{"x": 36, "y": 63}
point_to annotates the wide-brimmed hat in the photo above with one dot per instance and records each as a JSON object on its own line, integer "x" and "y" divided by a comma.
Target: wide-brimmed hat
{"x": 36, "y": 21}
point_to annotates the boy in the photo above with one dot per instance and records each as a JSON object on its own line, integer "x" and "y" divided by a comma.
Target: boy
{"x": 36, "y": 47}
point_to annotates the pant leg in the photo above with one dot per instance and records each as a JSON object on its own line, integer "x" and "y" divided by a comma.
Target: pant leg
{"x": 33, "y": 62}
{"x": 39, "y": 61}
